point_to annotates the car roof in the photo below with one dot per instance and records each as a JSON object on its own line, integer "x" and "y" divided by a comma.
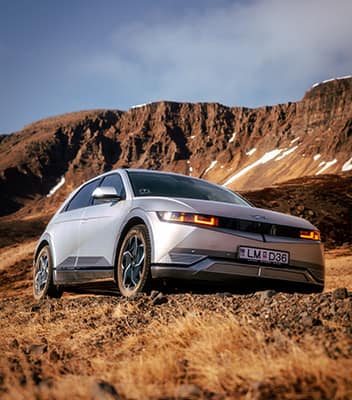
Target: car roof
{"x": 149, "y": 171}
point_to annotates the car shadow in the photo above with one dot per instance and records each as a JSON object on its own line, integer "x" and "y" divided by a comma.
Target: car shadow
{"x": 169, "y": 287}
{"x": 99, "y": 288}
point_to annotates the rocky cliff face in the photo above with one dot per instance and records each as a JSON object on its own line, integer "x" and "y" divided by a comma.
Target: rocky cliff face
{"x": 240, "y": 147}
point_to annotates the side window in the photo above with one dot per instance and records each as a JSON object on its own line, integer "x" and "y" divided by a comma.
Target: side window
{"x": 115, "y": 181}
{"x": 82, "y": 198}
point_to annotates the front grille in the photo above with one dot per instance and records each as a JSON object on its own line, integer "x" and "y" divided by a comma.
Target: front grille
{"x": 263, "y": 228}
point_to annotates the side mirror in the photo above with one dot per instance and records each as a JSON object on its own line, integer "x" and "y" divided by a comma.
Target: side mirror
{"x": 105, "y": 193}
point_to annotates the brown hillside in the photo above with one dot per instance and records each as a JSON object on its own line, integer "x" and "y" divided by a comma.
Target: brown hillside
{"x": 324, "y": 200}
{"x": 207, "y": 140}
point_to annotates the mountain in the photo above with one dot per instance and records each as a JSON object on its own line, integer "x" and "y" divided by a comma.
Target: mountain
{"x": 239, "y": 147}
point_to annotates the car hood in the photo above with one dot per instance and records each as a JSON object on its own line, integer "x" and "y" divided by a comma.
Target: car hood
{"x": 221, "y": 210}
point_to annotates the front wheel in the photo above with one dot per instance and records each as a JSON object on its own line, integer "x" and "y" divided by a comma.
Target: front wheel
{"x": 133, "y": 264}
{"x": 43, "y": 276}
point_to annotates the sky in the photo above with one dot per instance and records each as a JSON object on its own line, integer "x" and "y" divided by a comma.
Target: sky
{"x": 71, "y": 55}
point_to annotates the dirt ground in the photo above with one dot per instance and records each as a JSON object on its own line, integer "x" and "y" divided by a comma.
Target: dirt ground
{"x": 175, "y": 345}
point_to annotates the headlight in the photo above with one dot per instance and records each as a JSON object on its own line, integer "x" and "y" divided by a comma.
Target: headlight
{"x": 188, "y": 218}
{"x": 311, "y": 235}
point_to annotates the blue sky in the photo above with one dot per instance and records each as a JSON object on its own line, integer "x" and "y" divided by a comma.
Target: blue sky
{"x": 70, "y": 55}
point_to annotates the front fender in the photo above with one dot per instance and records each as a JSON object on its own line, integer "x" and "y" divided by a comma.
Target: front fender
{"x": 143, "y": 216}
{"x": 43, "y": 240}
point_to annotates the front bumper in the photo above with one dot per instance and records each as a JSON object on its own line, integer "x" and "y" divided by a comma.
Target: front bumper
{"x": 193, "y": 253}
{"x": 219, "y": 270}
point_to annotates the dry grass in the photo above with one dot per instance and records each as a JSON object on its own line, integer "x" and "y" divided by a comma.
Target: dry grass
{"x": 92, "y": 338}
{"x": 213, "y": 351}
{"x": 338, "y": 268}
{"x": 11, "y": 255}
{"x": 219, "y": 355}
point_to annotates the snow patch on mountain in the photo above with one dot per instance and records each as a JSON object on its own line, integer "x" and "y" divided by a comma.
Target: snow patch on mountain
{"x": 294, "y": 140}
{"x": 316, "y": 157}
{"x": 232, "y": 138}
{"x": 56, "y": 187}
{"x": 326, "y": 165}
{"x": 138, "y": 106}
{"x": 250, "y": 152}
{"x": 211, "y": 166}
{"x": 347, "y": 166}
{"x": 286, "y": 153}
{"x": 332, "y": 79}
{"x": 264, "y": 159}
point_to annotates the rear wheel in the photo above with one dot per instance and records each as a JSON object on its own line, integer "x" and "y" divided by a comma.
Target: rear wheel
{"x": 43, "y": 276}
{"x": 133, "y": 264}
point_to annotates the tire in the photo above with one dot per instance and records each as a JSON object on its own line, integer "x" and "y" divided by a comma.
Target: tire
{"x": 43, "y": 276}
{"x": 133, "y": 263}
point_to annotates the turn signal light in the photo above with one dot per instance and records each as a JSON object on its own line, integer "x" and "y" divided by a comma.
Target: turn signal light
{"x": 311, "y": 235}
{"x": 205, "y": 220}
{"x": 188, "y": 218}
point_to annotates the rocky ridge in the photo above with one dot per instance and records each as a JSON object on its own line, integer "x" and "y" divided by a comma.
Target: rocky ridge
{"x": 240, "y": 147}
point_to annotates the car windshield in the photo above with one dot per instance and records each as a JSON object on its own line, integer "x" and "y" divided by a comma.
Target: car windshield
{"x": 169, "y": 185}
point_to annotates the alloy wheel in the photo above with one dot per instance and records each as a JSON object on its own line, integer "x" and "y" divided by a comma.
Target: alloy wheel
{"x": 41, "y": 273}
{"x": 132, "y": 262}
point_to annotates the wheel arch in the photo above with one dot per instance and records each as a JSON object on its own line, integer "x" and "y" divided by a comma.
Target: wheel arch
{"x": 45, "y": 240}
{"x": 42, "y": 244}
{"x": 136, "y": 220}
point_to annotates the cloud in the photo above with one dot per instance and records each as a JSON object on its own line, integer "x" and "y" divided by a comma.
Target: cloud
{"x": 249, "y": 53}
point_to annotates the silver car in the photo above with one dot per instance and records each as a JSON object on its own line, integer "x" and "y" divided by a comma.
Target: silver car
{"x": 132, "y": 226}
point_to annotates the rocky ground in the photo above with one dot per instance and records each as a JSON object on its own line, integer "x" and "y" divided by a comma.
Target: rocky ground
{"x": 175, "y": 344}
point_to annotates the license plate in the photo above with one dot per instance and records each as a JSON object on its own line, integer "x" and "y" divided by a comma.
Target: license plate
{"x": 263, "y": 255}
